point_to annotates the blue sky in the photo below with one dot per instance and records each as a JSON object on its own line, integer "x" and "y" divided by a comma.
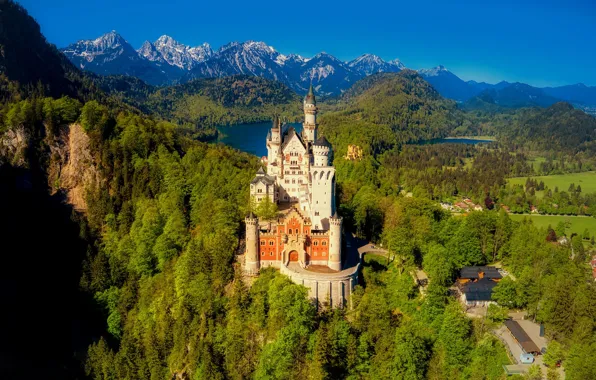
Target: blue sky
{"x": 537, "y": 42}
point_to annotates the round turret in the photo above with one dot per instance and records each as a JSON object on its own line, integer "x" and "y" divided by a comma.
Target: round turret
{"x": 335, "y": 223}
{"x": 321, "y": 150}
{"x": 251, "y": 257}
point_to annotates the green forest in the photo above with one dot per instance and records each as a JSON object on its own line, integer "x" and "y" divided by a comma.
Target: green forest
{"x": 160, "y": 224}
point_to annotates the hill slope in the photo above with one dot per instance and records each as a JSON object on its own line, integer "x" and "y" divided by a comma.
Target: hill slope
{"x": 28, "y": 59}
{"x": 386, "y": 109}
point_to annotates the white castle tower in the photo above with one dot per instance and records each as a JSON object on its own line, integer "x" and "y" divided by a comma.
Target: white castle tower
{"x": 322, "y": 176}
{"x": 309, "y": 127}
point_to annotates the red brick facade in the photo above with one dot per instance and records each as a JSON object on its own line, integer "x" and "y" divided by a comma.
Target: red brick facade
{"x": 271, "y": 245}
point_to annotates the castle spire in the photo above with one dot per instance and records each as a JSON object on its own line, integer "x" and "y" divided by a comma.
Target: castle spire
{"x": 310, "y": 97}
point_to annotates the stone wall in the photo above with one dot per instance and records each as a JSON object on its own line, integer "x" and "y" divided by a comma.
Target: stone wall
{"x": 328, "y": 289}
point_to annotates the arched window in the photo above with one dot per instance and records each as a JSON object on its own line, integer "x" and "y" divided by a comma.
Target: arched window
{"x": 324, "y": 243}
{"x": 289, "y": 231}
{"x": 315, "y": 243}
{"x": 262, "y": 242}
{"x": 271, "y": 242}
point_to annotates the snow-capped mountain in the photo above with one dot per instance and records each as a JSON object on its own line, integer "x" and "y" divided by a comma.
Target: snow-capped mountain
{"x": 250, "y": 57}
{"x": 112, "y": 54}
{"x": 102, "y": 50}
{"x": 167, "y": 61}
{"x": 368, "y": 64}
{"x": 175, "y": 53}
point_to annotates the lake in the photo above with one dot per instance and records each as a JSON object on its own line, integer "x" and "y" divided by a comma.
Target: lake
{"x": 250, "y": 138}
{"x": 456, "y": 140}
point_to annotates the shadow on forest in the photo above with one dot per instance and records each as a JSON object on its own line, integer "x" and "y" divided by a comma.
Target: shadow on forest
{"x": 46, "y": 322}
{"x": 371, "y": 270}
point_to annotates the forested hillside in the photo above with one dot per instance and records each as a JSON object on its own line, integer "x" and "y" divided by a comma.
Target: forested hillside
{"x": 202, "y": 104}
{"x": 144, "y": 224}
{"x": 385, "y": 110}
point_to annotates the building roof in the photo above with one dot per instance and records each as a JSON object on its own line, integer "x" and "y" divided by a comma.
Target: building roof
{"x": 481, "y": 290}
{"x": 291, "y": 133}
{"x": 322, "y": 141}
{"x": 262, "y": 177}
{"x": 310, "y": 97}
{"x": 521, "y": 337}
{"x": 473, "y": 272}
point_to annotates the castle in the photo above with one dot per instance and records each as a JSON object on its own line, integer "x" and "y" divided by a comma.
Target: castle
{"x": 300, "y": 179}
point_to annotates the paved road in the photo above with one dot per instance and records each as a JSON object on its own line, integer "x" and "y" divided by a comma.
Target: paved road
{"x": 371, "y": 248}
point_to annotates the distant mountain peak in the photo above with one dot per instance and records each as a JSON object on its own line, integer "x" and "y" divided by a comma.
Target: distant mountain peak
{"x": 397, "y": 63}
{"x": 435, "y": 71}
{"x": 178, "y": 54}
{"x": 368, "y": 58}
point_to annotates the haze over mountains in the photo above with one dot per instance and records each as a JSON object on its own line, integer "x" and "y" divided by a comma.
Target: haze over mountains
{"x": 166, "y": 61}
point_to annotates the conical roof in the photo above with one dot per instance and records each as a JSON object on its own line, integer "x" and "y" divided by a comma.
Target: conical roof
{"x": 322, "y": 141}
{"x": 310, "y": 97}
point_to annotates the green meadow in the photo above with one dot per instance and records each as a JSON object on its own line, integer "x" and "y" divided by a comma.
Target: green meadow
{"x": 575, "y": 224}
{"x": 587, "y": 180}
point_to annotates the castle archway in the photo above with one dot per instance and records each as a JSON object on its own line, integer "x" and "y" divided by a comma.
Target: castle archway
{"x": 293, "y": 256}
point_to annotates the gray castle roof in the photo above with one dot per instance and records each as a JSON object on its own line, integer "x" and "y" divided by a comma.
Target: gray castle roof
{"x": 262, "y": 177}
{"x": 291, "y": 132}
{"x": 322, "y": 141}
{"x": 310, "y": 97}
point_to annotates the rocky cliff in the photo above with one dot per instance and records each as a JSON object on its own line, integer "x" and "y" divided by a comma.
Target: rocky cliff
{"x": 67, "y": 160}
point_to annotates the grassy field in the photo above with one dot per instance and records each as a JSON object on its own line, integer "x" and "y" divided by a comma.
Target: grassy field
{"x": 586, "y": 180}
{"x": 575, "y": 224}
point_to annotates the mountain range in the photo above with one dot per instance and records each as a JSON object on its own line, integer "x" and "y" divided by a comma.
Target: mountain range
{"x": 167, "y": 61}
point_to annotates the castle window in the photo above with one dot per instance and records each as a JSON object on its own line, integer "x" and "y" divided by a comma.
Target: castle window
{"x": 290, "y": 231}
{"x": 262, "y": 242}
{"x": 259, "y": 190}
{"x": 324, "y": 243}
{"x": 262, "y": 253}
{"x": 315, "y": 243}
{"x": 324, "y": 253}
{"x": 271, "y": 253}
{"x": 271, "y": 242}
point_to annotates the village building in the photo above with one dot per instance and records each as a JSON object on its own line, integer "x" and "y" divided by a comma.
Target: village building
{"x": 521, "y": 337}
{"x": 475, "y": 285}
{"x": 305, "y": 239}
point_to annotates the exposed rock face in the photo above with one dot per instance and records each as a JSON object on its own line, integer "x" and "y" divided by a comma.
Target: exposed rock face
{"x": 71, "y": 166}
{"x": 13, "y": 147}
